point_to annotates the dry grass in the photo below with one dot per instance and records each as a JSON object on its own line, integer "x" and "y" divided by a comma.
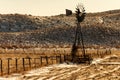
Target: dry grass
{"x": 37, "y": 53}
{"x": 94, "y": 71}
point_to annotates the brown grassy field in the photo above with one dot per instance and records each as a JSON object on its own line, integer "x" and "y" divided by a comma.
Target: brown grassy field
{"x": 37, "y": 53}
{"x": 105, "y": 68}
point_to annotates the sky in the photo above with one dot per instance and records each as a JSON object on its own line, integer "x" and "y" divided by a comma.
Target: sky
{"x": 54, "y": 7}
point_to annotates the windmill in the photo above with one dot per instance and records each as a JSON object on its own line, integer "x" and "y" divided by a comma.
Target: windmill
{"x": 80, "y": 16}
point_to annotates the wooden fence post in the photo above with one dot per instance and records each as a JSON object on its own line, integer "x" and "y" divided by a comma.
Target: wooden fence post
{"x": 23, "y": 61}
{"x": 60, "y": 58}
{"x": 98, "y": 52}
{"x": 29, "y": 59}
{"x": 110, "y": 51}
{"x": 56, "y": 58}
{"x": 41, "y": 60}
{"x": 16, "y": 63}
{"x": 1, "y": 67}
{"x": 46, "y": 60}
{"x": 35, "y": 62}
{"x": 8, "y": 64}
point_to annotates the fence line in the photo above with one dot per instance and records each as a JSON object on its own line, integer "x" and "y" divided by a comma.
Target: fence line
{"x": 29, "y": 63}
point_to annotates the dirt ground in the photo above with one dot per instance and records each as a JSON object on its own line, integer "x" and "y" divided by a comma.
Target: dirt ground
{"x": 105, "y": 68}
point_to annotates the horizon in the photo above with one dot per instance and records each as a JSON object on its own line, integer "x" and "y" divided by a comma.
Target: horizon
{"x": 52, "y": 15}
{"x": 54, "y": 7}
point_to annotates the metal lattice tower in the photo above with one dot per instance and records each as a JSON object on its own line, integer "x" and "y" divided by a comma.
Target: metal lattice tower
{"x": 80, "y": 15}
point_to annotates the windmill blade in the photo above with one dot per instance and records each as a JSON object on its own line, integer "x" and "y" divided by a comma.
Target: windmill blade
{"x": 81, "y": 8}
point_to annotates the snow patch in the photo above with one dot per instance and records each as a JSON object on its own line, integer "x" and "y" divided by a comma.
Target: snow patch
{"x": 99, "y": 60}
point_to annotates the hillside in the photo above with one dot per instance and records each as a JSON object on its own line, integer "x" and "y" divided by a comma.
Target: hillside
{"x": 99, "y": 29}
